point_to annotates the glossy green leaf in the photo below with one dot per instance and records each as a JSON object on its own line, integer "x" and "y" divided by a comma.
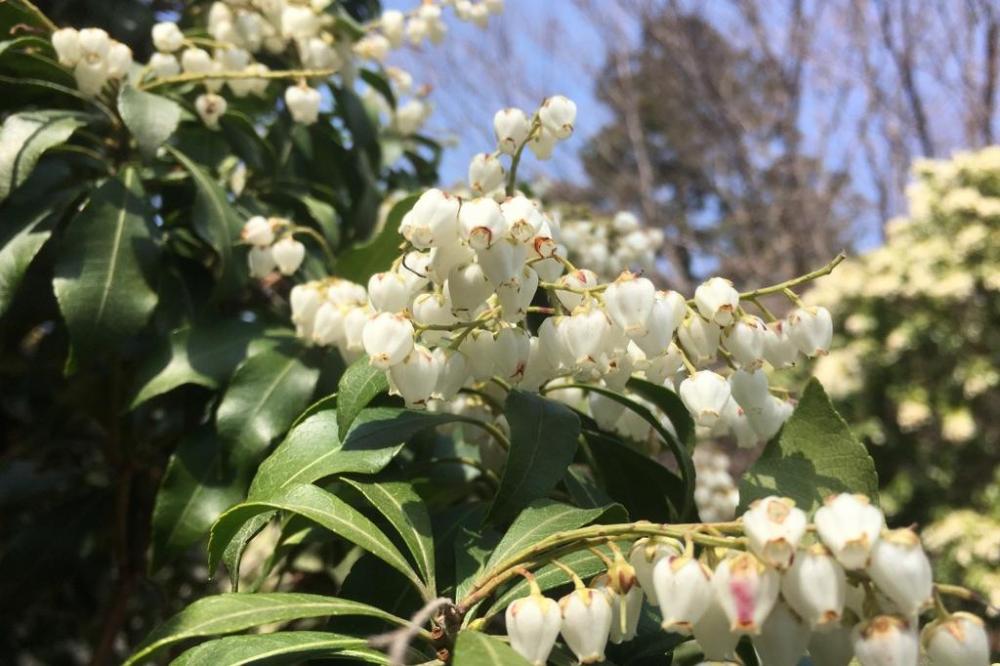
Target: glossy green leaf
{"x": 196, "y": 487}
{"x": 105, "y": 265}
{"x": 670, "y": 404}
{"x": 360, "y": 383}
{"x": 150, "y": 118}
{"x": 361, "y": 262}
{"x": 32, "y": 133}
{"x": 287, "y": 647}
{"x": 406, "y": 512}
{"x": 230, "y": 613}
{"x": 266, "y": 393}
{"x": 241, "y": 134}
{"x": 217, "y": 223}
{"x": 583, "y": 491}
{"x": 474, "y": 648}
{"x": 321, "y": 507}
{"x": 647, "y": 489}
{"x": 814, "y": 455}
{"x": 542, "y": 445}
{"x": 204, "y": 354}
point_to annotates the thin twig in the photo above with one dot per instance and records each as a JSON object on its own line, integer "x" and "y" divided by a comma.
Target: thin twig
{"x": 197, "y": 77}
{"x": 399, "y": 640}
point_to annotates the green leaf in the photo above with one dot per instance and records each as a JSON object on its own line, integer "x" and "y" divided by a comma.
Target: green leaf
{"x": 321, "y": 507}
{"x": 647, "y": 489}
{"x": 217, "y": 223}
{"x": 151, "y": 118}
{"x": 229, "y": 613}
{"x": 583, "y": 491}
{"x": 25, "y": 136}
{"x": 204, "y": 353}
{"x": 196, "y": 487}
{"x": 813, "y": 456}
{"x": 106, "y": 259}
{"x": 406, "y": 512}
{"x": 542, "y": 445}
{"x": 474, "y": 648}
{"x": 358, "y": 386}
{"x": 246, "y": 142}
{"x": 266, "y": 393}
{"x": 286, "y": 647}
{"x": 362, "y": 261}
{"x": 670, "y": 404}
{"x": 24, "y": 231}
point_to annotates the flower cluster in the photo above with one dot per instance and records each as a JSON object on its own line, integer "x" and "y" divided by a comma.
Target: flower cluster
{"x": 272, "y": 246}
{"x": 94, "y": 57}
{"x": 856, "y": 589}
{"x": 610, "y": 246}
{"x": 715, "y": 490}
{"x": 453, "y": 310}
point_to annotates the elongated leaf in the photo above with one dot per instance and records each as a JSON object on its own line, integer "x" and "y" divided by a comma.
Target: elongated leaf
{"x": 287, "y": 647}
{"x": 229, "y": 613}
{"x": 542, "y": 445}
{"x": 474, "y": 648}
{"x": 25, "y": 136}
{"x": 242, "y": 136}
{"x": 217, "y": 223}
{"x": 814, "y": 455}
{"x": 670, "y": 404}
{"x": 647, "y": 489}
{"x": 681, "y": 454}
{"x": 197, "y": 486}
{"x": 151, "y": 118}
{"x": 405, "y": 511}
{"x": 361, "y": 262}
{"x": 359, "y": 384}
{"x": 266, "y": 393}
{"x": 583, "y": 491}
{"x": 204, "y": 354}
{"x": 321, "y": 507}
{"x": 106, "y": 258}
{"x": 472, "y": 548}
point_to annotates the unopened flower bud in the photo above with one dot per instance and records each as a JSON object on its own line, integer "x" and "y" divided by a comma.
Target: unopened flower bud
{"x": 849, "y": 526}
{"x": 886, "y": 640}
{"x": 900, "y": 568}
{"x": 747, "y": 591}
{"x": 586, "y": 623}
{"x": 957, "y": 640}
{"x": 558, "y": 113}
{"x": 387, "y": 339}
{"x": 815, "y": 587}
{"x": 512, "y": 128}
{"x": 705, "y": 394}
{"x": 717, "y": 300}
{"x": 683, "y": 591}
{"x": 774, "y": 527}
{"x": 533, "y": 624}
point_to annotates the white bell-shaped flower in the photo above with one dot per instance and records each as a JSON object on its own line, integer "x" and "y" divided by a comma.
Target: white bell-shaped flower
{"x": 715, "y": 636}
{"x": 388, "y": 292}
{"x": 119, "y": 60}
{"x": 644, "y": 555}
{"x": 433, "y": 221}
{"x": 957, "y": 640}
{"x": 515, "y": 295}
{"x": 774, "y": 526}
{"x": 303, "y": 103}
{"x": 700, "y": 339}
{"x": 811, "y": 329}
{"x": 468, "y": 288}
{"x": 900, "y": 568}
{"x": 585, "y": 335}
{"x": 717, "y": 300}
{"x": 735, "y": 419}
{"x": 328, "y": 327}
{"x": 779, "y": 349}
{"x": 665, "y": 315}
{"x": 683, "y": 589}
{"x": 626, "y": 609}
{"x": 783, "y": 638}
{"x": 511, "y": 349}
{"x": 533, "y": 624}
{"x": 577, "y": 280}
{"x": 196, "y": 61}
{"x": 485, "y": 173}
{"x": 453, "y": 374}
{"x": 260, "y": 262}
{"x": 94, "y": 44}
{"x": 433, "y": 309}
{"x": 768, "y": 421}
{"x": 629, "y": 302}
{"x": 387, "y": 339}
{"x": 886, "y": 640}
{"x": 750, "y": 390}
{"x": 664, "y": 368}
{"x": 298, "y": 22}
{"x": 288, "y": 254}
{"x": 167, "y": 37}
{"x": 705, "y": 394}
{"x": 66, "y": 42}
{"x": 305, "y": 300}
{"x": 558, "y": 113}
{"x": 511, "y": 127}
{"x": 164, "y": 64}
{"x": 744, "y": 340}
{"x": 90, "y": 76}
{"x": 606, "y": 411}
{"x": 445, "y": 257}
{"x": 832, "y": 646}
{"x": 355, "y": 322}
{"x": 257, "y": 231}
{"x": 849, "y": 526}
{"x": 542, "y": 143}
{"x": 502, "y": 260}
{"x": 586, "y": 623}
{"x": 747, "y": 590}
{"x": 415, "y": 270}
{"x": 410, "y": 116}
{"x": 539, "y": 370}
{"x": 416, "y": 378}
{"x": 815, "y": 586}
{"x": 524, "y": 218}
{"x": 392, "y": 25}
{"x": 481, "y": 223}
{"x": 210, "y": 108}
{"x": 479, "y": 348}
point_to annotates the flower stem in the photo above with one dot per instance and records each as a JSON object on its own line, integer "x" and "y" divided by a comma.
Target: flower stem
{"x": 794, "y": 282}
{"x": 230, "y": 76}
{"x": 320, "y": 240}
{"x": 515, "y": 160}
{"x": 33, "y": 9}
